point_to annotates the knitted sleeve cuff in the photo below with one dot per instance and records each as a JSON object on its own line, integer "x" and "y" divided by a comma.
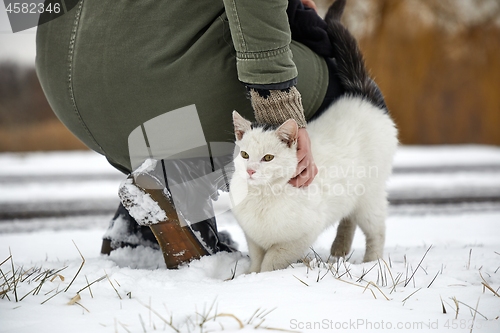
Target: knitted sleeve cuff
{"x": 277, "y": 106}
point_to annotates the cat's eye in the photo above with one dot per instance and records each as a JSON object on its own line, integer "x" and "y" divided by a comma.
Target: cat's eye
{"x": 244, "y": 155}
{"x": 268, "y": 157}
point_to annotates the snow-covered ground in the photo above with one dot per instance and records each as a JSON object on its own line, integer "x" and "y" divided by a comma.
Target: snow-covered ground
{"x": 441, "y": 268}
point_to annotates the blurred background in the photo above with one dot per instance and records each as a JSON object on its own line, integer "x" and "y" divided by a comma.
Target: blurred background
{"x": 437, "y": 62}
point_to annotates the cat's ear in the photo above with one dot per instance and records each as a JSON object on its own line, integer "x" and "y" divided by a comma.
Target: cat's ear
{"x": 288, "y": 132}
{"x": 241, "y": 125}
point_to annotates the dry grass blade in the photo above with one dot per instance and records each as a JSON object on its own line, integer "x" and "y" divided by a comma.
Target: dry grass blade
{"x": 413, "y": 293}
{"x": 318, "y": 258}
{"x": 301, "y": 280}
{"x": 396, "y": 282}
{"x": 88, "y": 285}
{"x": 233, "y": 272}
{"x": 474, "y": 316}
{"x": 32, "y": 290}
{"x": 240, "y": 323}
{"x": 347, "y": 269}
{"x": 475, "y": 310}
{"x": 380, "y": 290}
{"x": 169, "y": 323}
{"x": 487, "y": 286}
{"x": 112, "y": 285}
{"x": 79, "y": 269}
{"x": 13, "y": 275}
{"x": 252, "y": 316}
{"x": 442, "y": 305}
{"x": 468, "y": 262}
{"x": 5, "y": 279}
{"x": 90, "y": 290}
{"x": 142, "y": 323}
{"x": 337, "y": 270}
{"x": 264, "y": 314}
{"x": 364, "y": 273}
{"x": 278, "y": 329}
{"x": 380, "y": 275}
{"x": 430, "y": 284}
{"x": 48, "y": 299}
{"x": 75, "y": 299}
{"x": 326, "y": 273}
{"x": 57, "y": 276}
{"x": 416, "y": 269}
{"x": 29, "y": 273}
{"x": 124, "y": 327}
{"x": 360, "y": 286}
{"x": 45, "y": 276}
{"x": 454, "y": 299}
{"x": 3, "y": 262}
{"x": 204, "y": 317}
{"x": 49, "y": 292}
{"x": 389, "y": 269}
{"x": 4, "y": 293}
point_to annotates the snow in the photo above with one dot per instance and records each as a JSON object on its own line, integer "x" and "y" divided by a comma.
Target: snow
{"x": 485, "y": 183}
{"x": 143, "y": 208}
{"x": 148, "y": 166}
{"x": 431, "y": 261}
{"x": 54, "y": 163}
{"x": 58, "y": 191}
{"x": 415, "y": 156}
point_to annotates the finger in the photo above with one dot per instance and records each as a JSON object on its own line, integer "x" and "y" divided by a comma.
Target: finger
{"x": 301, "y": 154}
{"x": 312, "y": 174}
{"x": 310, "y": 4}
{"x": 306, "y": 177}
{"x": 302, "y": 178}
{"x": 298, "y": 181}
{"x": 301, "y": 166}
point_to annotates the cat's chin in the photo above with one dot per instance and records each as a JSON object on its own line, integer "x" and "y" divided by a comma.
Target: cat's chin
{"x": 262, "y": 182}
{"x": 256, "y": 182}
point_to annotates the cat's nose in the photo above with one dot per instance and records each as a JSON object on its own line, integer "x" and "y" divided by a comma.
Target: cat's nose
{"x": 250, "y": 172}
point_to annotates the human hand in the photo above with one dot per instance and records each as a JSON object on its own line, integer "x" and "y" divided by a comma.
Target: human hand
{"x": 310, "y": 4}
{"x": 306, "y": 168}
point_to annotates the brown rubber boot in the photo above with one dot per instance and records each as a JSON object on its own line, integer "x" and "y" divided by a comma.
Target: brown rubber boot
{"x": 149, "y": 203}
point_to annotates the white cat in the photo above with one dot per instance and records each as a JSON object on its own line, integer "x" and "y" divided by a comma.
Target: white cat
{"x": 353, "y": 143}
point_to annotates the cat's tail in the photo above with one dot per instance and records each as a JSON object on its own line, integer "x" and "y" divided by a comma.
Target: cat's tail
{"x": 352, "y": 71}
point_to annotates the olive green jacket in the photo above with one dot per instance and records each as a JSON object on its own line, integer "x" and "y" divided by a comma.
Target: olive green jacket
{"x": 109, "y": 66}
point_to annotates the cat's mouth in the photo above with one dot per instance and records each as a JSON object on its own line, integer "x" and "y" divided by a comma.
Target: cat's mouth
{"x": 255, "y": 180}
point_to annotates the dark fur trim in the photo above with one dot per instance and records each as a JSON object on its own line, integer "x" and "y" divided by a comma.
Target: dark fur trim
{"x": 265, "y": 127}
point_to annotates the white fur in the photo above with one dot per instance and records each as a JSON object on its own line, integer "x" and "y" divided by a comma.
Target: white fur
{"x": 353, "y": 144}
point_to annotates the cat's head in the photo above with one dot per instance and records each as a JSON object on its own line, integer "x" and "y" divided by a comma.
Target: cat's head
{"x": 268, "y": 155}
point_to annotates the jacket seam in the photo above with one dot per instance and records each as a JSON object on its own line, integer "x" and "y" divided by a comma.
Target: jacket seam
{"x": 241, "y": 37}
{"x": 71, "y": 49}
{"x": 263, "y": 54}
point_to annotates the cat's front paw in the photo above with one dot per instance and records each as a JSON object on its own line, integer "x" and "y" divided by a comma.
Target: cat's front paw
{"x": 254, "y": 268}
{"x": 270, "y": 265}
{"x": 372, "y": 256}
{"x": 340, "y": 251}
